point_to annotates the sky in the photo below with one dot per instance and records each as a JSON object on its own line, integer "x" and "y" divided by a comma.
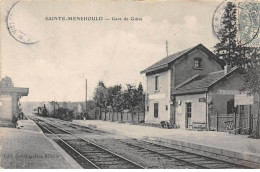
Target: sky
{"x": 68, "y": 52}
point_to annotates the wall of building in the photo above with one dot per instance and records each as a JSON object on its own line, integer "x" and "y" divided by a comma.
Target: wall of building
{"x": 184, "y": 68}
{"x": 14, "y": 103}
{"x": 5, "y": 107}
{"x": 9, "y": 106}
{"x": 160, "y": 96}
{"x": 198, "y": 109}
{"x": 178, "y": 73}
{"x": 9, "y": 97}
{"x": 219, "y": 95}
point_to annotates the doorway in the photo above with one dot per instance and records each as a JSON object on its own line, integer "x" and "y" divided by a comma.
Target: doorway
{"x": 188, "y": 115}
{"x": 172, "y": 114}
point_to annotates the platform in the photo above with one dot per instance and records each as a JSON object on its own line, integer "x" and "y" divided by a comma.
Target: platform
{"x": 29, "y": 148}
{"x": 237, "y": 147}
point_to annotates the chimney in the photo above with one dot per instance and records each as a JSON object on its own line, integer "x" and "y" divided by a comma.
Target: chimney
{"x": 227, "y": 69}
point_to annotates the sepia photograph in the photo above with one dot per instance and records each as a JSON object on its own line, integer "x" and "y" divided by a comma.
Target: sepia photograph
{"x": 129, "y": 84}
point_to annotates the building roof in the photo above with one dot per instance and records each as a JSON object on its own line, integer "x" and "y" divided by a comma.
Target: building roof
{"x": 201, "y": 83}
{"x": 20, "y": 91}
{"x": 165, "y": 61}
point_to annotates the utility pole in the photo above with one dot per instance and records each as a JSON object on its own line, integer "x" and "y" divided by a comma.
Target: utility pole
{"x": 86, "y": 98}
{"x": 258, "y": 121}
{"x": 167, "y": 48}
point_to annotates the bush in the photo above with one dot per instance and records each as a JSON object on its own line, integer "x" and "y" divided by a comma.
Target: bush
{"x": 166, "y": 124}
{"x": 77, "y": 116}
{"x": 70, "y": 115}
{"x": 64, "y": 114}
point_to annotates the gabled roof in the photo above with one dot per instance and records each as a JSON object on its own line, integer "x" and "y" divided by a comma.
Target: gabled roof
{"x": 201, "y": 83}
{"x": 165, "y": 61}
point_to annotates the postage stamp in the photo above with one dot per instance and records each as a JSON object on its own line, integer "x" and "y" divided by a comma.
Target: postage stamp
{"x": 247, "y": 21}
{"x": 248, "y": 24}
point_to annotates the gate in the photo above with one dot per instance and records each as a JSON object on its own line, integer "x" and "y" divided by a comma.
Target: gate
{"x": 241, "y": 123}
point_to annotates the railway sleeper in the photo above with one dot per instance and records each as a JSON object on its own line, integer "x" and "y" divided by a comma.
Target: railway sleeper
{"x": 175, "y": 154}
{"x": 100, "y": 163}
{"x": 185, "y": 157}
{"x": 94, "y": 157}
{"x": 91, "y": 152}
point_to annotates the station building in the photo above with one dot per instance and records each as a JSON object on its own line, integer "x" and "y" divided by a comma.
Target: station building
{"x": 9, "y": 103}
{"x": 192, "y": 86}
{"x": 210, "y": 99}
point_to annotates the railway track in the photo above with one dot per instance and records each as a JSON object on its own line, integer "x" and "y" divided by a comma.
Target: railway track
{"x": 198, "y": 161}
{"x": 171, "y": 155}
{"x": 86, "y": 153}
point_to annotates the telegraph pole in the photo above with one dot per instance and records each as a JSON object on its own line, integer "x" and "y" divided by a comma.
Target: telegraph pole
{"x": 167, "y": 48}
{"x": 258, "y": 121}
{"x": 86, "y": 98}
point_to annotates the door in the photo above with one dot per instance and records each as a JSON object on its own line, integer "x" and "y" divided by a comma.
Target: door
{"x": 156, "y": 110}
{"x": 188, "y": 115}
{"x": 172, "y": 118}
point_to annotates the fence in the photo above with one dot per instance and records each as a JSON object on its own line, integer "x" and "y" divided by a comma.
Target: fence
{"x": 121, "y": 116}
{"x": 243, "y": 123}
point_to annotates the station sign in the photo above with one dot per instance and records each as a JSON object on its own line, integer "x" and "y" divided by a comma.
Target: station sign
{"x": 203, "y": 99}
{"x": 244, "y": 99}
{"x": 228, "y": 92}
{"x": 157, "y": 96}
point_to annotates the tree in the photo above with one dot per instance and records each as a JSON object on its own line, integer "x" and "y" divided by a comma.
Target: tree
{"x": 101, "y": 97}
{"x": 91, "y": 109}
{"x": 252, "y": 79}
{"x": 61, "y": 113}
{"x": 64, "y": 114}
{"x": 141, "y": 99}
{"x": 133, "y": 98}
{"x": 53, "y": 103}
{"x": 227, "y": 49}
{"x": 141, "y": 96}
{"x": 115, "y": 98}
{"x": 234, "y": 54}
{"x": 6, "y": 82}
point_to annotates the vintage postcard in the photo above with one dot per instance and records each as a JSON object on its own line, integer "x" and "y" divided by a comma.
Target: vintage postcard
{"x": 113, "y": 84}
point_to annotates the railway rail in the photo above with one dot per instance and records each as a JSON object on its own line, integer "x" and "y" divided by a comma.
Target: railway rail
{"x": 196, "y": 160}
{"x": 180, "y": 157}
{"x": 86, "y": 153}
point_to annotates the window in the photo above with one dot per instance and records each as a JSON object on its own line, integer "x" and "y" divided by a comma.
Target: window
{"x": 230, "y": 106}
{"x": 156, "y": 106}
{"x": 189, "y": 110}
{"x": 147, "y": 108}
{"x": 156, "y": 82}
{"x": 197, "y": 63}
{"x": 188, "y": 115}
